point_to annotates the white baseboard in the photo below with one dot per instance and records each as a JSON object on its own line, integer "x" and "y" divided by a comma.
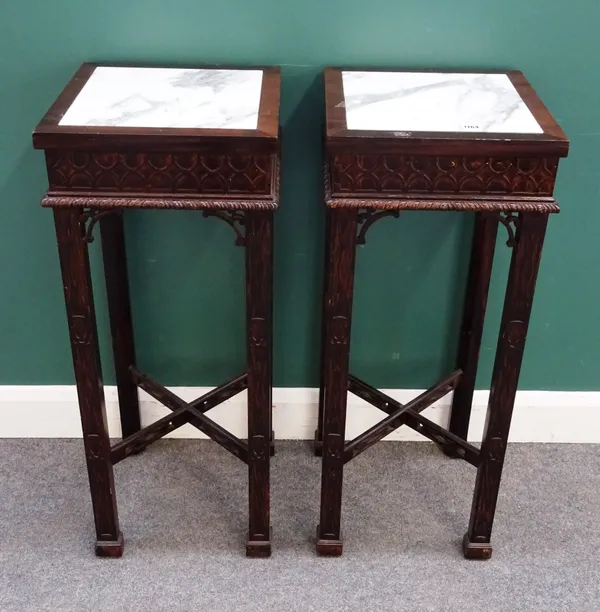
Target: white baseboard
{"x": 540, "y": 416}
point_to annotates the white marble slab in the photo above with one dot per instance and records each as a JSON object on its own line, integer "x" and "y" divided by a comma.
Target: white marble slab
{"x": 168, "y": 98}
{"x": 435, "y": 102}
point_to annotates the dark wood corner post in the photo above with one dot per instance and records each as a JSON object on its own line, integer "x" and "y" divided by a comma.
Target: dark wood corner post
{"x": 478, "y": 283}
{"x": 527, "y": 248}
{"x": 259, "y": 300}
{"x": 121, "y": 324}
{"x": 341, "y": 240}
{"x": 318, "y": 445}
{"x": 73, "y": 252}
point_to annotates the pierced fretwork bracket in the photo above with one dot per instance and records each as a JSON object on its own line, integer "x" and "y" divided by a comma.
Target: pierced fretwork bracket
{"x": 91, "y": 216}
{"x": 509, "y": 220}
{"x": 366, "y": 217}
{"x": 235, "y": 218}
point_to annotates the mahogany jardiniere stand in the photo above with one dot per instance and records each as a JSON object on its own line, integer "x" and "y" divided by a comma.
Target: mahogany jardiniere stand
{"x": 398, "y": 141}
{"x": 201, "y": 139}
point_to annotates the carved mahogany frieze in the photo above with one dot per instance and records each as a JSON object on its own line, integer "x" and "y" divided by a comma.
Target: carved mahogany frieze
{"x": 162, "y": 173}
{"x": 405, "y": 174}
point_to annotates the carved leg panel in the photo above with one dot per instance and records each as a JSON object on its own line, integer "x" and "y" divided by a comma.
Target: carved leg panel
{"x": 117, "y": 291}
{"x": 531, "y": 229}
{"x": 480, "y": 271}
{"x": 259, "y": 297}
{"x": 338, "y": 313}
{"x": 72, "y": 247}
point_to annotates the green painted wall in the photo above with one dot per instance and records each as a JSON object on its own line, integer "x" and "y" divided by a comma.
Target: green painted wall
{"x": 186, "y": 273}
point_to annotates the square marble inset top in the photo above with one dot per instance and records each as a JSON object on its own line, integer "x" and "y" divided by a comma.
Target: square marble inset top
{"x": 168, "y": 98}
{"x": 435, "y": 102}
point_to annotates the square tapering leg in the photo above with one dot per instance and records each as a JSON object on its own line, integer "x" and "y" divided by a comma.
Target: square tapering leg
{"x": 338, "y": 315}
{"x": 478, "y": 283}
{"x": 259, "y": 299}
{"x": 73, "y": 252}
{"x": 531, "y": 229}
{"x": 121, "y": 325}
{"x": 318, "y": 443}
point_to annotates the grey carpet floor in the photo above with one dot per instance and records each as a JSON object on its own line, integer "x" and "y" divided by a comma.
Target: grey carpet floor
{"x": 406, "y": 506}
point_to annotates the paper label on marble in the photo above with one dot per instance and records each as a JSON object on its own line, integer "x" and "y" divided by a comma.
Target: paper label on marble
{"x": 168, "y": 98}
{"x": 435, "y": 102}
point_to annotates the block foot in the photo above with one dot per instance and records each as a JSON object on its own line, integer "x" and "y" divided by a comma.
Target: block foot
{"x": 107, "y": 548}
{"x": 272, "y": 444}
{"x": 328, "y": 548}
{"x": 259, "y": 549}
{"x": 476, "y": 550}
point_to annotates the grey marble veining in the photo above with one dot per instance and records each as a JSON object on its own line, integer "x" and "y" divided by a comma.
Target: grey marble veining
{"x": 435, "y": 102}
{"x": 168, "y": 98}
